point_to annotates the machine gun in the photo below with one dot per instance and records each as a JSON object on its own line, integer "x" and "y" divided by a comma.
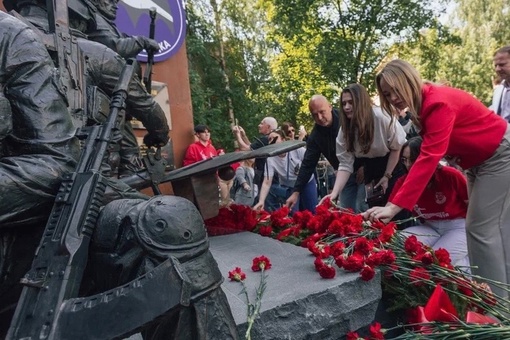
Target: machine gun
{"x": 61, "y": 257}
{"x": 49, "y": 307}
{"x": 147, "y": 77}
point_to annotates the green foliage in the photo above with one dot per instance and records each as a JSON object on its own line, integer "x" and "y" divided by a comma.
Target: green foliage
{"x": 325, "y": 45}
{"x": 278, "y": 53}
{"x": 462, "y": 55}
{"x": 246, "y": 67}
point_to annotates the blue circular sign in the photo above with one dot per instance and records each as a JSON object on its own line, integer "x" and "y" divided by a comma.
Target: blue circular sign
{"x": 133, "y": 19}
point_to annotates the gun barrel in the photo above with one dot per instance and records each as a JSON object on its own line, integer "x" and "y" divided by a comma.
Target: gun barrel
{"x": 147, "y": 77}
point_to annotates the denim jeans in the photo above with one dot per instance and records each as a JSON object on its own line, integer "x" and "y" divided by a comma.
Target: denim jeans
{"x": 308, "y": 198}
{"x": 353, "y": 195}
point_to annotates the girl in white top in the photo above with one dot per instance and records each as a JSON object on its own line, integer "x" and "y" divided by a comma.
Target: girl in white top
{"x": 370, "y": 134}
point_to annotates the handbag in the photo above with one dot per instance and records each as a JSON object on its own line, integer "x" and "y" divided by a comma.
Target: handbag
{"x": 375, "y": 196}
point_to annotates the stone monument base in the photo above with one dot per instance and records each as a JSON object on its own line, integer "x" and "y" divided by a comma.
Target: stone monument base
{"x": 298, "y": 303}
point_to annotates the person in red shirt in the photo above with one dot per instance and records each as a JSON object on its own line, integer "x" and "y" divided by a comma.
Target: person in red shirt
{"x": 455, "y": 125}
{"x": 441, "y": 207}
{"x": 202, "y": 149}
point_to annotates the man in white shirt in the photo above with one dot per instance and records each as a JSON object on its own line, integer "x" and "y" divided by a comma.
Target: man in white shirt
{"x": 501, "y": 96}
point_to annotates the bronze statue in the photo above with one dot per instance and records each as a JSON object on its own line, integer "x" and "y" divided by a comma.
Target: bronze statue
{"x": 105, "y": 31}
{"x": 38, "y": 147}
{"x": 38, "y": 142}
{"x": 101, "y": 68}
{"x": 46, "y": 143}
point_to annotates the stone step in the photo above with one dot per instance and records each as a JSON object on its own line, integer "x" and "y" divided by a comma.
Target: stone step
{"x": 298, "y": 303}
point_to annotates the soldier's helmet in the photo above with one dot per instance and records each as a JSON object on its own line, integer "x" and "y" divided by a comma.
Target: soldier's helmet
{"x": 169, "y": 225}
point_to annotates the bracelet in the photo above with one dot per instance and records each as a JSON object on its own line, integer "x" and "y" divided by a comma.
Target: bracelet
{"x": 388, "y": 175}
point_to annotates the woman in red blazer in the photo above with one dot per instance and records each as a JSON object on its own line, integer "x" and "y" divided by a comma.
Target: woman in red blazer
{"x": 455, "y": 125}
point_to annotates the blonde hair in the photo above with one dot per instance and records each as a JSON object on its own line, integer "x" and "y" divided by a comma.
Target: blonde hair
{"x": 406, "y": 82}
{"x": 362, "y": 122}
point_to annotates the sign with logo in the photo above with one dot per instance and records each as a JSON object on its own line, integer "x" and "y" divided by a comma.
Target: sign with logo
{"x": 133, "y": 19}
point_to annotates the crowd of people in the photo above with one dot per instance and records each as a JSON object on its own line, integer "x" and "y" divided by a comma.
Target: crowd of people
{"x": 429, "y": 150}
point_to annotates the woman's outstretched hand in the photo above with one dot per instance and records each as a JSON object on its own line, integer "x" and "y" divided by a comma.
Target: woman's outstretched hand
{"x": 383, "y": 214}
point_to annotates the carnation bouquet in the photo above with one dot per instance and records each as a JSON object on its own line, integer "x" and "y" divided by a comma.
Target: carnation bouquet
{"x": 421, "y": 283}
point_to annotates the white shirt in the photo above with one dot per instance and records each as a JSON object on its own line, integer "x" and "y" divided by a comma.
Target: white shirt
{"x": 505, "y": 102}
{"x": 386, "y": 138}
{"x": 287, "y": 167}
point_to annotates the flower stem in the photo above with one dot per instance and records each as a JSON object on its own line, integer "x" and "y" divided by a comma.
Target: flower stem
{"x": 253, "y": 310}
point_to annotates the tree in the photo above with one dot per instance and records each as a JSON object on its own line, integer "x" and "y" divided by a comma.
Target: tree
{"x": 462, "y": 55}
{"x": 226, "y": 66}
{"x": 324, "y": 45}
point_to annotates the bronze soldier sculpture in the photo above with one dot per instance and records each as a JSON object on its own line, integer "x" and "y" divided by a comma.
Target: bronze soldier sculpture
{"x": 105, "y": 31}
{"x": 201, "y": 311}
{"x": 102, "y": 68}
{"x": 38, "y": 146}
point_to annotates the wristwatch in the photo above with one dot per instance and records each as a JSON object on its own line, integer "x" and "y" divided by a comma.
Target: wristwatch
{"x": 388, "y": 175}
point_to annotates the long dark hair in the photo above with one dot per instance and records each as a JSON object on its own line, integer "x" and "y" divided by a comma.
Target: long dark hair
{"x": 362, "y": 122}
{"x": 414, "y": 145}
{"x": 286, "y": 126}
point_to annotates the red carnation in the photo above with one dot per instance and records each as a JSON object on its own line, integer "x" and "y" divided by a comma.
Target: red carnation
{"x": 387, "y": 256}
{"x": 353, "y": 263}
{"x": 326, "y": 203}
{"x": 284, "y": 233}
{"x": 336, "y": 227}
{"x": 302, "y": 217}
{"x": 327, "y": 271}
{"x": 443, "y": 256}
{"x": 367, "y": 273}
{"x": 263, "y": 216}
{"x": 261, "y": 263}
{"x": 265, "y": 230}
{"x": 339, "y": 260}
{"x": 363, "y": 246}
{"x": 425, "y": 258}
{"x": 352, "y": 336}
{"x": 376, "y": 332}
{"x": 320, "y": 249}
{"x": 412, "y": 245}
{"x": 337, "y": 248}
{"x": 236, "y": 275}
{"x": 318, "y": 263}
{"x": 387, "y": 232}
{"x": 374, "y": 259}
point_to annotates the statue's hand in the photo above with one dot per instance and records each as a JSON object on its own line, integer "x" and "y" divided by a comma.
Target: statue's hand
{"x": 150, "y": 45}
{"x": 156, "y": 139}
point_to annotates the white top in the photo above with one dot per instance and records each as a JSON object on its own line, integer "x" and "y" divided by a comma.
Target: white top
{"x": 501, "y": 100}
{"x": 291, "y": 161}
{"x": 386, "y": 138}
